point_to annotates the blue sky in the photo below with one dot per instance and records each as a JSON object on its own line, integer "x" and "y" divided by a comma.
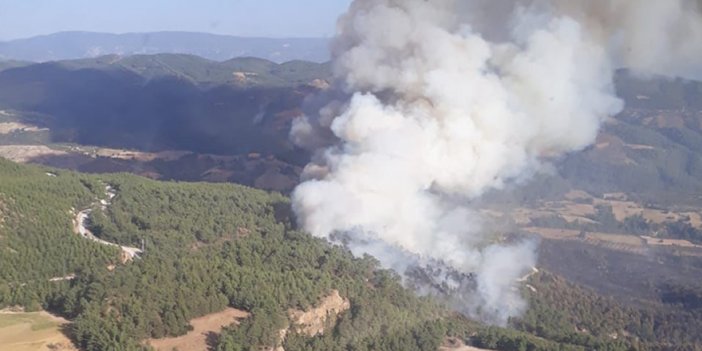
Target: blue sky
{"x": 268, "y": 18}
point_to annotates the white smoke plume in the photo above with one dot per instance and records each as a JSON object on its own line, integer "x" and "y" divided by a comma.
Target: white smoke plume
{"x": 445, "y": 99}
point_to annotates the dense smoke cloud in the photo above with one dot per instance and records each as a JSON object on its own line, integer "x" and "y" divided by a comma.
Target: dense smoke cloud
{"x": 443, "y": 100}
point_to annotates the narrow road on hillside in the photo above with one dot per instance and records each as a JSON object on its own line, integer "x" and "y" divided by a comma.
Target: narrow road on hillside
{"x": 80, "y": 226}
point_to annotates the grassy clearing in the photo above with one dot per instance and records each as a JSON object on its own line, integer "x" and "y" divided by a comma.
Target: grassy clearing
{"x": 35, "y": 331}
{"x": 203, "y": 327}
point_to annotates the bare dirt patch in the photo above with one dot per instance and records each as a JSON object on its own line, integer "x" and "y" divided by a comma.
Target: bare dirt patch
{"x": 33, "y": 331}
{"x": 670, "y": 242}
{"x": 640, "y": 147}
{"x": 616, "y": 238}
{"x": 618, "y": 242}
{"x": 577, "y": 194}
{"x": 196, "y": 340}
{"x": 11, "y": 127}
{"x": 554, "y": 233}
{"x": 25, "y": 153}
{"x": 454, "y": 344}
{"x": 523, "y": 216}
{"x": 668, "y": 121}
{"x": 625, "y": 209}
{"x": 695, "y": 219}
{"x": 578, "y": 220}
{"x": 139, "y": 155}
{"x": 615, "y": 196}
{"x": 581, "y": 208}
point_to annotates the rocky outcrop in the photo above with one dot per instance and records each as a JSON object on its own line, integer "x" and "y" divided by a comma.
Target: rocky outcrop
{"x": 314, "y": 321}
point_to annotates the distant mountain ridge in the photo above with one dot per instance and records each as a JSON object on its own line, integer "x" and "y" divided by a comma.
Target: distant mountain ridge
{"x": 240, "y": 71}
{"x": 77, "y": 45}
{"x": 166, "y": 101}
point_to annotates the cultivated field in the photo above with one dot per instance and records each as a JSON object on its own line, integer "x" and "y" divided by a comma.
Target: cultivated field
{"x": 619, "y": 242}
{"x": 580, "y": 207}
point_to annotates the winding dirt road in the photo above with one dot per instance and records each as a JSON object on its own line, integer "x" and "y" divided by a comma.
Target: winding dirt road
{"x": 80, "y": 227}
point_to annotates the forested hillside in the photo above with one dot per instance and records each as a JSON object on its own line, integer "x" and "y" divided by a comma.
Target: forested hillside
{"x": 36, "y": 238}
{"x": 209, "y": 246}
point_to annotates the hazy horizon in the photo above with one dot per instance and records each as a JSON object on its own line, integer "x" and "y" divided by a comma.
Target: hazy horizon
{"x": 244, "y": 18}
{"x": 168, "y": 31}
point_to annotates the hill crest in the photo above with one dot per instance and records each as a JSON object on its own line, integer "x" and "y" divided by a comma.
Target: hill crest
{"x": 77, "y": 45}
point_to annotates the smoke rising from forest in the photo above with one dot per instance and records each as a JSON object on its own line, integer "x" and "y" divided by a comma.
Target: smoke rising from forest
{"x": 440, "y": 101}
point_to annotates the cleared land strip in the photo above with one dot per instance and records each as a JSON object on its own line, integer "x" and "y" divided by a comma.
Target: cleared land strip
{"x": 620, "y": 242}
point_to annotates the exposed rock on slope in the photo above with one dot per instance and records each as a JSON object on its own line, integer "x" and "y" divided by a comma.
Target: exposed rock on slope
{"x": 313, "y": 322}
